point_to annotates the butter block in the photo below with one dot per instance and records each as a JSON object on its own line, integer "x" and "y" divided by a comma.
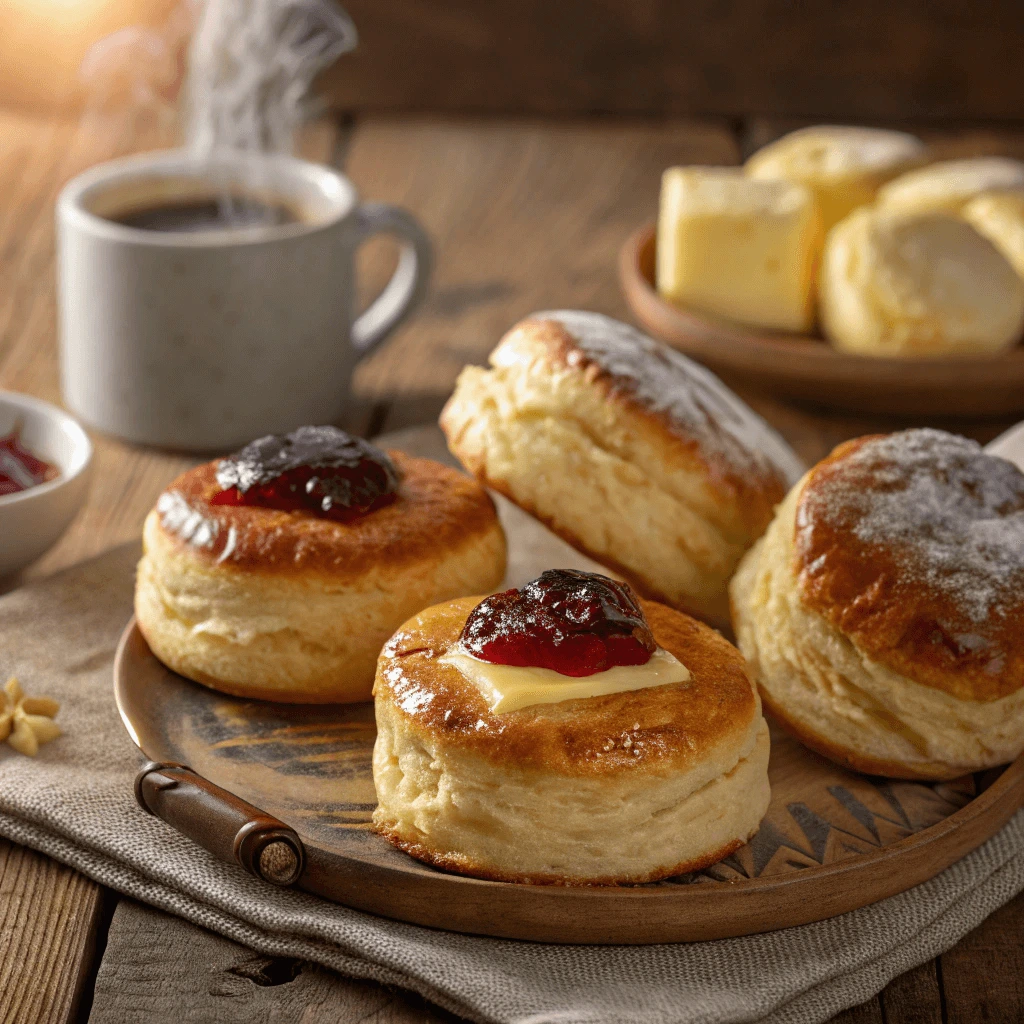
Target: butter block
{"x": 738, "y": 247}
{"x": 999, "y": 216}
{"x": 844, "y": 166}
{"x": 897, "y": 284}
{"x": 511, "y": 687}
{"x": 949, "y": 185}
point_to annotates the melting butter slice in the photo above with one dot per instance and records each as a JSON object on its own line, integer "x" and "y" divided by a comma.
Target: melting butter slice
{"x": 511, "y": 687}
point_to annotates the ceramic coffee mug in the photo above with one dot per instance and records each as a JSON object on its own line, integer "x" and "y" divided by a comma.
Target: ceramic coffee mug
{"x": 204, "y": 340}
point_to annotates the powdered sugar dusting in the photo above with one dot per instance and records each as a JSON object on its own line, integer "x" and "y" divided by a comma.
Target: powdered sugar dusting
{"x": 690, "y": 396}
{"x": 955, "y": 514}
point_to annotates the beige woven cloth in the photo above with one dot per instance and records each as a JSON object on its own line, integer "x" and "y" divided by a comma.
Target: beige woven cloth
{"x": 74, "y": 802}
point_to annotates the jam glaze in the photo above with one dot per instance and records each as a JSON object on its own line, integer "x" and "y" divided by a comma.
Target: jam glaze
{"x": 321, "y": 470}
{"x": 573, "y": 623}
{"x": 19, "y": 468}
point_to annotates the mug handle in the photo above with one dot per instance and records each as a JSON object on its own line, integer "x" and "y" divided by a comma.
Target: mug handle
{"x": 408, "y": 284}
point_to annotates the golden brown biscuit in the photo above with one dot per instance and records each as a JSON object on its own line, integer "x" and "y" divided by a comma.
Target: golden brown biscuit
{"x": 882, "y": 612}
{"x": 637, "y": 456}
{"x": 622, "y": 788}
{"x": 292, "y": 607}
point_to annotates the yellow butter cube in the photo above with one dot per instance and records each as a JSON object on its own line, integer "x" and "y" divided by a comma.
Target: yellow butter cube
{"x": 843, "y": 165}
{"x": 738, "y": 248}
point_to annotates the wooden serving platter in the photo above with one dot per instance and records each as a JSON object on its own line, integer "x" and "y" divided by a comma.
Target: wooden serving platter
{"x": 832, "y": 840}
{"x": 805, "y": 368}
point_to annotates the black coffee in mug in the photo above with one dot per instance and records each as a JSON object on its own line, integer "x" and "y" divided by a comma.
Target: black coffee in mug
{"x": 222, "y": 213}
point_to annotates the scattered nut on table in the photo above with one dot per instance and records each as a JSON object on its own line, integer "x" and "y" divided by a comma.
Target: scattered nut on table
{"x": 26, "y": 722}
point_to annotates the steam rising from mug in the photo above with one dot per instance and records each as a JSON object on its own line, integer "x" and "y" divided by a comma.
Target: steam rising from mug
{"x": 248, "y": 66}
{"x": 251, "y": 64}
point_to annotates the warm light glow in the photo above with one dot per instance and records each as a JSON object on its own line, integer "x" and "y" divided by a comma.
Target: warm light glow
{"x": 80, "y": 5}
{"x": 43, "y": 42}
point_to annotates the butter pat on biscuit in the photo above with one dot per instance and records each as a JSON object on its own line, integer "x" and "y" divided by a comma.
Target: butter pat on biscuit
{"x": 843, "y": 166}
{"x": 738, "y": 247}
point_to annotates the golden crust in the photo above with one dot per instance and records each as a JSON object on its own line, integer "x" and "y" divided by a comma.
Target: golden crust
{"x": 660, "y": 729}
{"x": 754, "y": 488}
{"x": 459, "y": 864}
{"x": 437, "y": 509}
{"x": 878, "y": 597}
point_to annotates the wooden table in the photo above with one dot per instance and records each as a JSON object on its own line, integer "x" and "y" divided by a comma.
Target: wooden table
{"x": 526, "y": 215}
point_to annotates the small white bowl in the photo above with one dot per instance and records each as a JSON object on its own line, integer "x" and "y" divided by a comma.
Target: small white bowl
{"x": 32, "y": 521}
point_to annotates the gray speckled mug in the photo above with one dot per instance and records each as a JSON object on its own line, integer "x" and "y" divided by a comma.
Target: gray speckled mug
{"x": 205, "y": 340}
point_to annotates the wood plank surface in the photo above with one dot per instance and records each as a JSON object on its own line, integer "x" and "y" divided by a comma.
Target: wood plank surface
{"x": 862, "y": 58}
{"x": 914, "y": 997}
{"x": 983, "y": 975}
{"x": 162, "y": 970}
{"x": 524, "y": 216}
{"x": 50, "y": 917}
{"x": 49, "y": 914}
{"x": 869, "y": 1012}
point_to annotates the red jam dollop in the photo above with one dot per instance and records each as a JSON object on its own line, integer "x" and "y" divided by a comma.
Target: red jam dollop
{"x": 19, "y": 468}
{"x": 576, "y": 623}
{"x": 322, "y": 470}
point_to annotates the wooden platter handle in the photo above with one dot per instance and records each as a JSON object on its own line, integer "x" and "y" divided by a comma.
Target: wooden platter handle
{"x": 220, "y": 822}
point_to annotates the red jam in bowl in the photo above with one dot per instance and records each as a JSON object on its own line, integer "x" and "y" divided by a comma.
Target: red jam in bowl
{"x": 321, "y": 470}
{"x": 19, "y": 468}
{"x": 576, "y": 623}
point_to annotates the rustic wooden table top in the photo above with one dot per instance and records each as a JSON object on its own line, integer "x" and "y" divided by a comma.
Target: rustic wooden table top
{"x": 526, "y": 215}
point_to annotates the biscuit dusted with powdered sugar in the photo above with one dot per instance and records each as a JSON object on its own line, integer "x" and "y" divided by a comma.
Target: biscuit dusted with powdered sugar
{"x": 636, "y": 455}
{"x": 883, "y": 612}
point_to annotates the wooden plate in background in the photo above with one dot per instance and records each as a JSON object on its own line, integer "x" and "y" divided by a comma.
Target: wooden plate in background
{"x": 832, "y": 840}
{"x": 802, "y": 367}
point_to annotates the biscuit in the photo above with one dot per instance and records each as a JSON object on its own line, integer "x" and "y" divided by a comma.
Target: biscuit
{"x": 637, "y": 456}
{"x": 621, "y": 788}
{"x": 999, "y": 216}
{"x": 947, "y": 186}
{"x": 288, "y": 606}
{"x": 894, "y": 284}
{"x": 881, "y": 613}
{"x": 843, "y": 166}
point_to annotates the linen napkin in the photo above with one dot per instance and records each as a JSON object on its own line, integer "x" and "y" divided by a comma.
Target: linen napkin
{"x": 75, "y": 803}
